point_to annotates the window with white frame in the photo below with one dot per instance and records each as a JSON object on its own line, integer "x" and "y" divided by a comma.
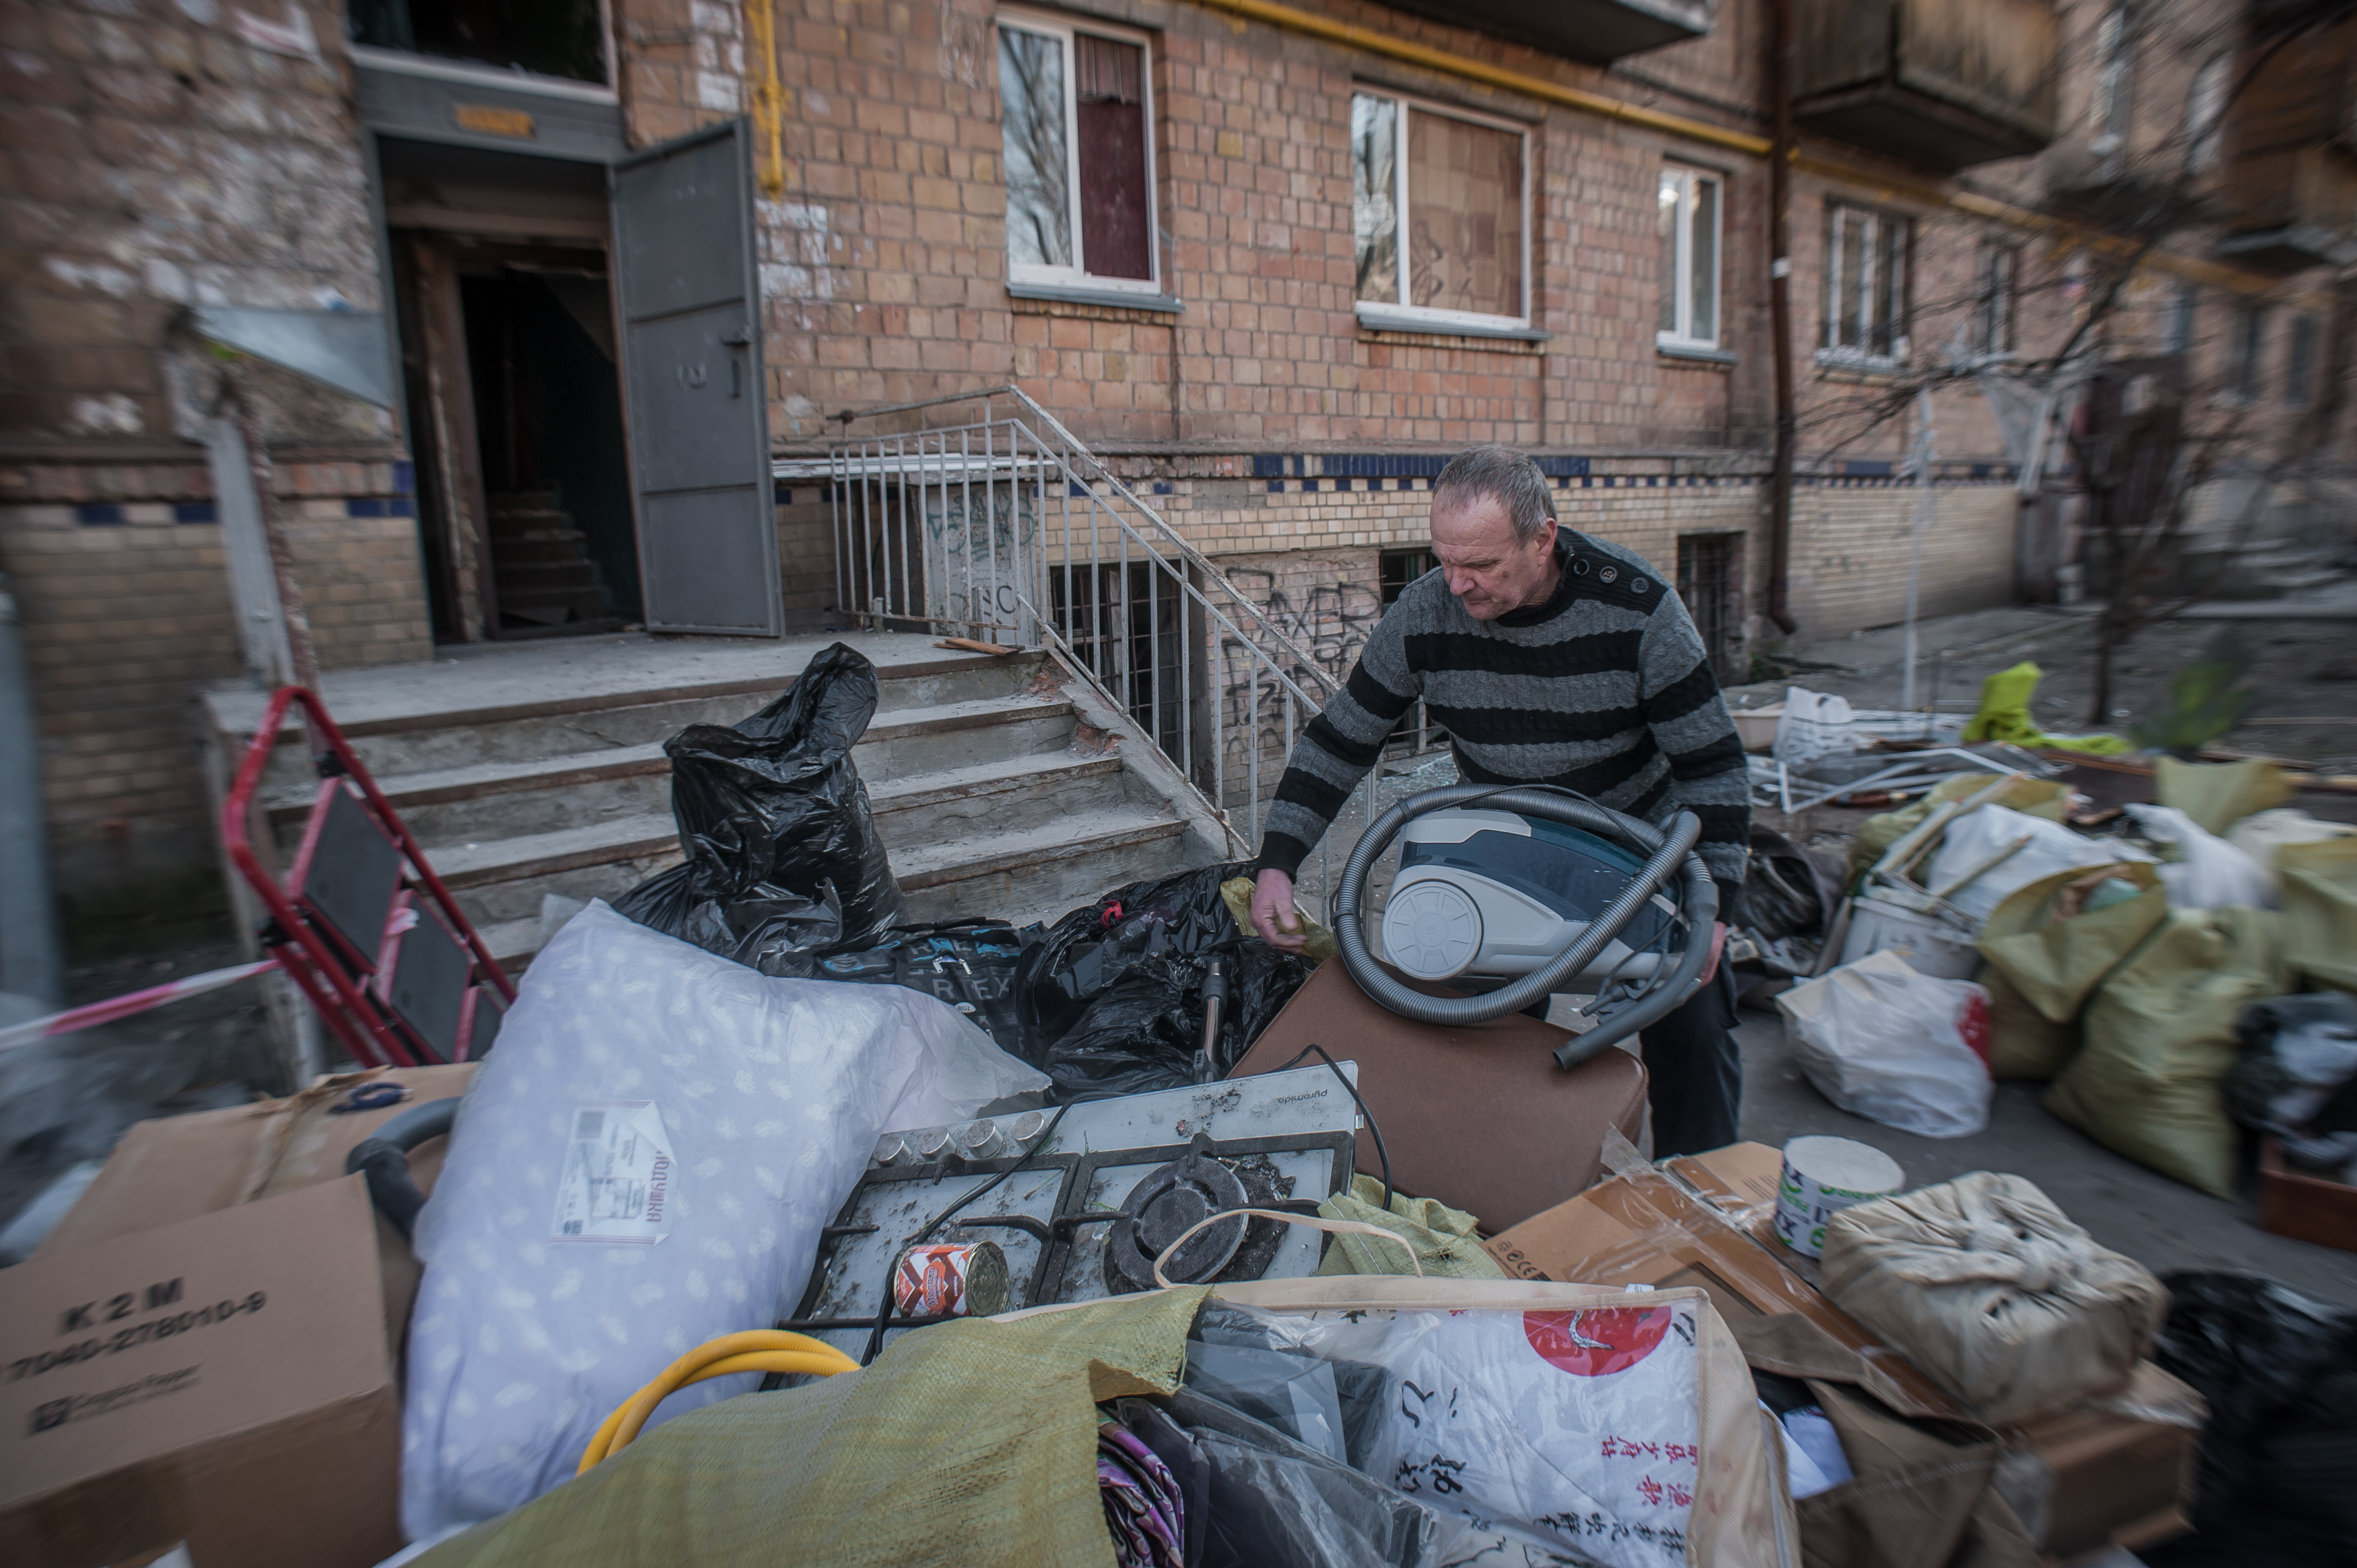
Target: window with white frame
{"x": 1867, "y": 253}
{"x": 1689, "y": 223}
{"x": 1996, "y": 288}
{"x": 1441, "y": 214}
{"x": 1075, "y": 112}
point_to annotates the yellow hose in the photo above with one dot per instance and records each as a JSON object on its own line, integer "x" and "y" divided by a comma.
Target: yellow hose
{"x": 755, "y": 1350}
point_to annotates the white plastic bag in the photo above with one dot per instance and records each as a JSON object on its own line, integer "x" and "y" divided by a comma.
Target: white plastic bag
{"x": 1973, "y": 840}
{"x": 644, "y": 1164}
{"x": 1550, "y": 1422}
{"x": 2209, "y": 873}
{"x": 1815, "y": 724}
{"x": 1881, "y": 1041}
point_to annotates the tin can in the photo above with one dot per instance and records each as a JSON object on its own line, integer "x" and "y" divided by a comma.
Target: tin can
{"x": 951, "y": 1279}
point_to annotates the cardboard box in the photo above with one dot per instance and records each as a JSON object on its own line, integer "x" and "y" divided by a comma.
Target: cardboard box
{"x": 179, "y": 1168}
{"x": 1703, "y": 1220}
{"x": 221, "y": 1383}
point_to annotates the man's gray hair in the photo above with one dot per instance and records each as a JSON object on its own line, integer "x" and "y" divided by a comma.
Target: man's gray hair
{"x": 1503, "y": 475}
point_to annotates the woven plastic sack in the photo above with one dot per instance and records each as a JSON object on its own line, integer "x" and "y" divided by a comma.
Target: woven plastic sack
{"x": 1553, "y": 1423}
{"x": 2159, "y": 1038}
{"x": 2055, "y": 949}
{"x": 1970, "y": 843}
{"x": 2043, "y": 798}
{"x": 970, "y": 1443}
{"x": 2262, "y": 834}
{"x": 2320, "y": 901}
{"x": 2200, "y": 870}
{"x": 2023, "y": 1042}
{"x": 2217, "y": 795}
{"x": 1881, "y": 1041}
{"x": 643, "y": 1164}
{"x": 1988, "y": 1287}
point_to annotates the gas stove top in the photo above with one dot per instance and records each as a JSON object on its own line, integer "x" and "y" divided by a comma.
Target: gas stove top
{"x": 1085, "y": 1215}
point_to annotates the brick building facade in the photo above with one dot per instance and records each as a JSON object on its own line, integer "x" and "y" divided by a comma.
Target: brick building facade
{"x": 163, "y": 154}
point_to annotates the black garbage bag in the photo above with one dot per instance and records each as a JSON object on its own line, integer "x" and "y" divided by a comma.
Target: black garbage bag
{"x": 2296, "y": 1076}
{"x": 1790, "y": 893}
{"x": 782, "y": 857}
{"x": 972, "y": 965}
{"x": 1114, "y": 993}
{"x": 2278, "y": 1456}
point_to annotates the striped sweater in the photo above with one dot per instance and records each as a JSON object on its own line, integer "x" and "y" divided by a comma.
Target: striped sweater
{"x": 1604, "y": 688}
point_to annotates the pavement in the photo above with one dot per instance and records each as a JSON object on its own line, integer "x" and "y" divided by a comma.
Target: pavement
{"x": 2160, "y": 1222}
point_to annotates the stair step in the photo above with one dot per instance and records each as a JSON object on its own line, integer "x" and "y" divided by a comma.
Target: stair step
{"x": 504, "y": 498}
{"x": 1002, "y": 796}
{"x": 518, "y": 579}
{"x": 511, "y": 552}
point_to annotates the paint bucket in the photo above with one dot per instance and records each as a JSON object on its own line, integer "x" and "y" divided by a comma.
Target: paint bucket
{"x": 1822, "y": 1177}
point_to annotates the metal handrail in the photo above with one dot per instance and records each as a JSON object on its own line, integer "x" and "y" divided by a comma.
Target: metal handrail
{"x": 1169, "y": 535}
{"x": 1041, "y": 467}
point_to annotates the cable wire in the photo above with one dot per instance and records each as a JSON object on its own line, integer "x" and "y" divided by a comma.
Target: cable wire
{"x": 1373, "y": 1130}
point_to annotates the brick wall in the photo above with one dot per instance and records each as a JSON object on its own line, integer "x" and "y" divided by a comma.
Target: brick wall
{"x": 126, "y": 614}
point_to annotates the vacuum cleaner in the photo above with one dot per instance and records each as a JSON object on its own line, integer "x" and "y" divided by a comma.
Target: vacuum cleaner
{"x": 1518, "y": 893}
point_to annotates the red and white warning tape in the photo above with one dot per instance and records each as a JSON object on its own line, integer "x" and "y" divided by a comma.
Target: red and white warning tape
{"x": 138, "y": 1002}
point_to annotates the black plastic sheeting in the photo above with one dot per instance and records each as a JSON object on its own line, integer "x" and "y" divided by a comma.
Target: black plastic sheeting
{"x": 2278, "y": 1458}
{"x": 1113, "y": 992}
{"x": 782, "y": 858}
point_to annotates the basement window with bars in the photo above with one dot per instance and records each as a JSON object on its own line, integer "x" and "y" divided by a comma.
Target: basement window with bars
{"x": 1689, "y": 223}
{"x": 1710, "y": 584}
{"x": 1076, "y": 108}
{"x": 1415, "y": 733}
{"x": 1867, "y": 254}
{"x": 1440, "y": 217}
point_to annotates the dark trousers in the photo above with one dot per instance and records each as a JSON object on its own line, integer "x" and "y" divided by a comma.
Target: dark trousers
{"x": 1694, "y": 1073}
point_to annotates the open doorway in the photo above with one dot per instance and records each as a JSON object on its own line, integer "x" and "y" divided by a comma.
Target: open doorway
{"x": 503, "y": 287}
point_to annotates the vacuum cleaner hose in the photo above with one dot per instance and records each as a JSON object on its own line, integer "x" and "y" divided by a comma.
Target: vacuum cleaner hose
{"x": 1669, "y": 856}
{"x": 383, "y": 1158}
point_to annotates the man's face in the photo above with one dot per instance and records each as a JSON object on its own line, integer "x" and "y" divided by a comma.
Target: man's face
{"x": 1489, "y": 570}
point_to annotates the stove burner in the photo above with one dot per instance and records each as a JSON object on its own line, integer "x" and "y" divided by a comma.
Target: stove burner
{"x": 1158, "y": 1211}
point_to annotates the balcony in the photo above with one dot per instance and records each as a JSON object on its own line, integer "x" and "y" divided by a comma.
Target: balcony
{"x": 1597, "y": 31}
{"x": 2293, "y": 209}
{"x": 1943, "y": 83}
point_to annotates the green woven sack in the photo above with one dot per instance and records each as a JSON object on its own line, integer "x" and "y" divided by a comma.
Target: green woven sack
{"x": 2160, "y": 1035}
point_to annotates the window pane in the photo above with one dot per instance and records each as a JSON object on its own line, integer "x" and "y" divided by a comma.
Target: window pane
{"x": 1465, "y": 216}
{"x": 1665, "y": 229}
{"x": 1115, "y": 231}
{"x": 1890, "y": 258}
{"x": 1374, "y": 193}
{"x": 1850, "y": 280}
{"x": 1039, "y": 199}
{"x": 1703, "y": 327}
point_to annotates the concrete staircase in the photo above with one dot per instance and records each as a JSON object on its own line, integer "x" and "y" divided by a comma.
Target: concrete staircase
{"x": 540, "y": 564}
{"x": 1002, "y": 785}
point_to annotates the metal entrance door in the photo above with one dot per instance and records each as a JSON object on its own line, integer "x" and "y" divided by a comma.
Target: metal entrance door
{"x": 690, "y": 307}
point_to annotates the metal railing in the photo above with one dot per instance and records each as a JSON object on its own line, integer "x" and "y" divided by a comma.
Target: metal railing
{"x": 1004, "y": 527}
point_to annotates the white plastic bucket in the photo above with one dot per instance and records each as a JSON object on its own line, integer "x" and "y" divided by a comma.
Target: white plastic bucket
{"x": 1930, "y": 947}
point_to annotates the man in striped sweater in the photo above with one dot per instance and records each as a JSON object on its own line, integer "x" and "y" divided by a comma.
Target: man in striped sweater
{"x": 1549, "y": 657}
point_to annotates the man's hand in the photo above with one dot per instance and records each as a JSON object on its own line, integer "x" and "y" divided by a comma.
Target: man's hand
{"x": 1273, "y": 914}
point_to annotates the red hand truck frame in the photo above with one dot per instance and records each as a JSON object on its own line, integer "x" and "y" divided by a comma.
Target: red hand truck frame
{"x": 361, "y": 1020}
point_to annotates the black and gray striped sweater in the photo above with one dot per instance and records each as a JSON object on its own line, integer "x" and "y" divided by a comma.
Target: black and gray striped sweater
{"x": 1604, "y": 688}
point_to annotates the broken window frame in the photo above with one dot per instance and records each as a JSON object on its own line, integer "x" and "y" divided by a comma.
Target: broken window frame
{"x": 2246, "y": 355}
{"x": 1883, "y": 309}
{"x": 414, "y": 61}
{"x": 1077, "y": 275}
{"x": 1399, "y": 311}
{"x": 2205, "y": 115}
{"x": 2111, "y": 95}
{"x": 2300, "y": 360}
{"x": 1680, "y": 185}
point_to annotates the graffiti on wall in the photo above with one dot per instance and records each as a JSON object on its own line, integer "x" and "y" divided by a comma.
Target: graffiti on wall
{"x": 1328, "y": 621}
{"x": 975, "y": 555}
